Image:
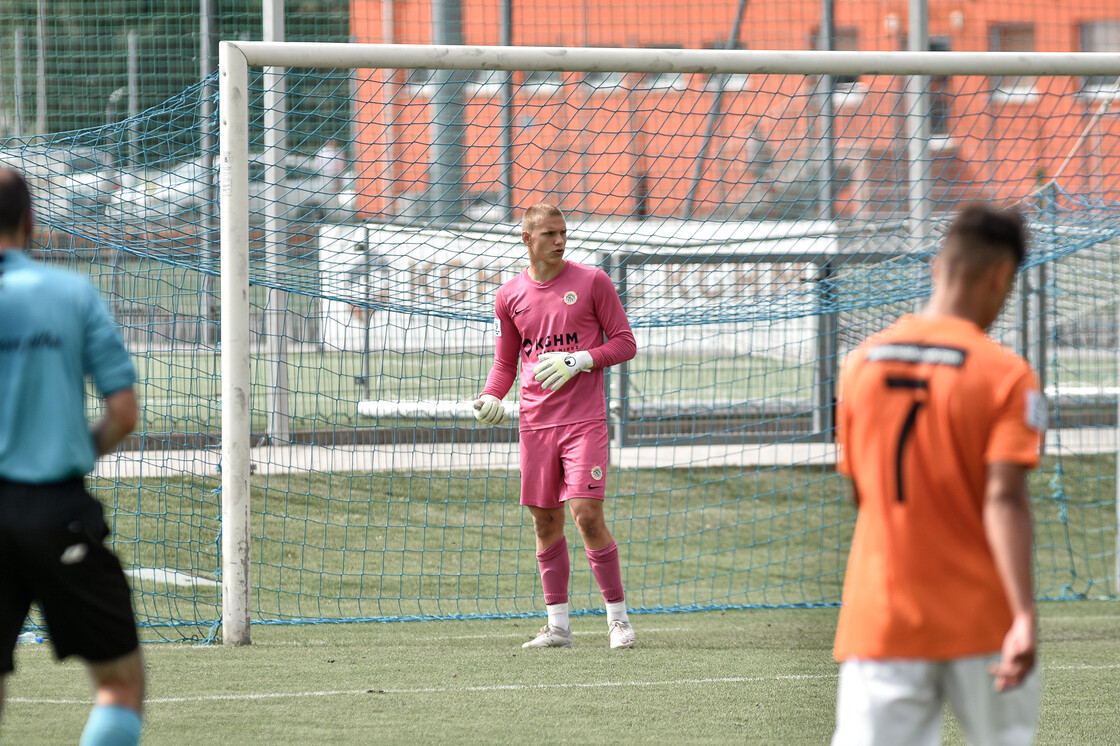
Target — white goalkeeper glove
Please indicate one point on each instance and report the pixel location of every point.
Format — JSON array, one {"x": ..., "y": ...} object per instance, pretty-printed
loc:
[
  {"x": 554, "y": 369},
  {"x": 488, "y": 410}
]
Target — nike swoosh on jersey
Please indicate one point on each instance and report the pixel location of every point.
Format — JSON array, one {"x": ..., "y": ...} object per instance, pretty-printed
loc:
[
  {"x": 594, "y": 486},
  {"x": 519, "y": 312}
]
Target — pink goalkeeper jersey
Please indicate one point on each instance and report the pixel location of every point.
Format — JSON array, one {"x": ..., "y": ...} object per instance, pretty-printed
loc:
[{"x": 573, "y": 311}]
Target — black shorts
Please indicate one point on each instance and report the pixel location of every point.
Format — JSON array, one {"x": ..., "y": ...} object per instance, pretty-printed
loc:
[{"x": 52, "y": 551}]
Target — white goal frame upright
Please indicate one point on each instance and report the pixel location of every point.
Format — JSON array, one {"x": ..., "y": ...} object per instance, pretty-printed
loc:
[{"x": 235, "y": 58}]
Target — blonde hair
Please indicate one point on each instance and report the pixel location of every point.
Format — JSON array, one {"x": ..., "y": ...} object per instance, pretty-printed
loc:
[{"x": 537, "y": 213}]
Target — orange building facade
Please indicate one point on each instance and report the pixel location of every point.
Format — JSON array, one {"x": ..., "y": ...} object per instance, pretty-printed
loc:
[{"x": 633, "y": 145}]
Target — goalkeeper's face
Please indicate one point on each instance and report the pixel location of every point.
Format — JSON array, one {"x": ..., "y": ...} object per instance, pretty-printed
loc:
[{"x": 546, "y": 242}]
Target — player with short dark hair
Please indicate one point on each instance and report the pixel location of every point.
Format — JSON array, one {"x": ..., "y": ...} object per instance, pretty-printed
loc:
[
  {"x": 564, "y": 323},
  {"x": 938, "y": 426},
  {"x": 55, "y": 332}
]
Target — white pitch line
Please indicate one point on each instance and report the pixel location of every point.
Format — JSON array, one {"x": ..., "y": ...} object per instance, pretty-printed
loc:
[
  {"x": 481, "y": 636},
  {"x": 440, "y": 689},
  {"x": 576, "y": 633},
  {"x": 217, "y": 646},
  {"x": 515, "y": 635},
  {"x": 329, "y": 643},
  {"x": 490, "y": 688}
]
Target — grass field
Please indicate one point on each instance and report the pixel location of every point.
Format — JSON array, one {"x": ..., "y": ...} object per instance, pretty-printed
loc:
[
  {"x": 360, "y": 545},
  {"x": 347, "y": 546},
  {"x": 756, "y": 677},
  {"x": 344, "y": 546}
]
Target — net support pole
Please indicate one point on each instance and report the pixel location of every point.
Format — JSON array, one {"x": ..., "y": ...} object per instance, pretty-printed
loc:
[
  {"x": 505, "y": 39},
  {"x": 19, "y": 51},
  {"x": 276, "y": 303},
  {"x": 445, "y": 168},
  {"x": 206, "y": 142},
  {"x": 715, "y": 113},
  {"x": 388, "y": 109},
  {"x": 1023, "y": 318},
  {"x": 917, "y": 128},
  {"x": 619, "y": 374},
  {"x": 826, "y": 370},
  {"x": 133, "y": 91},
  {"x": 1041, "y": 328},
  {"x": 41, "y": 69},
  {"x": 233, "y": 193},
  {"x": 505, "y": 200}
]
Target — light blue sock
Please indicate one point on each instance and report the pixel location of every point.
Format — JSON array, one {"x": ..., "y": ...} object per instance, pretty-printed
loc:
[{"x": 110, "y": 725}]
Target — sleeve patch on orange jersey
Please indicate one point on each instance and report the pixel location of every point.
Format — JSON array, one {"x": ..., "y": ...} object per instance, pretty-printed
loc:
[{"x": 1035, "y": 411}]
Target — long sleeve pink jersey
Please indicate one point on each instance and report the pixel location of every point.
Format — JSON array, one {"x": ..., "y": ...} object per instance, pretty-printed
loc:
[{"x": 579, "y": 309}]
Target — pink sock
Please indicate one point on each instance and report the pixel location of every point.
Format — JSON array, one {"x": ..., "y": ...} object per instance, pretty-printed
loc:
[
  {"x": 607, "y": 571},
  {"x": 555, "y": 568}
]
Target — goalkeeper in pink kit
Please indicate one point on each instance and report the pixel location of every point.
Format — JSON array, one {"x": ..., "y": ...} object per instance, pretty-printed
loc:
[{"x": 564, "y": 323}]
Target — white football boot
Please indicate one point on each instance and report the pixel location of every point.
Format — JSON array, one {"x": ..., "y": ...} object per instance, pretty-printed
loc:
[
  {"x": 551, "y": 637},
  {"x": 621, "y": 635}
]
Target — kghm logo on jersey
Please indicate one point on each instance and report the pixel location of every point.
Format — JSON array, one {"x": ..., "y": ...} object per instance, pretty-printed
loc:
[
  {"x": 551, "y": 343},
  {"x": 596, "y": 472},
  {"x": 570, "y": 297}
]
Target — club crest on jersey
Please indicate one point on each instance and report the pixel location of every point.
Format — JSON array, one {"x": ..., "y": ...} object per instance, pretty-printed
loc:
[
  {"x": 596, "y": 472},
  {"x": 570, "y": 297},
  {"x": 497, "y": 327}
]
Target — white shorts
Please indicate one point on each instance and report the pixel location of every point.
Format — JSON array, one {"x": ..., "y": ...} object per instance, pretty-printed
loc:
[{"x": 887, "y": 703}]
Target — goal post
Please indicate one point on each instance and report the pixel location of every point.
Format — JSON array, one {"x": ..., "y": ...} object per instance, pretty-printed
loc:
[
  {"x": 233, "y": 191},
  {"x": 684, "y": 253}
]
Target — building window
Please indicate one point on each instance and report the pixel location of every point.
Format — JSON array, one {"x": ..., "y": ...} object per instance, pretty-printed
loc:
[
  {"x": 487, "y": 82},
  {"x": 1013, "y": 37},
  {"x": 543, "y": 81},
  {"x": 1101, "y": 36},
  {"x": 940, "y": 101},
  {"x": 663, "y": 81},
  {"x": 429, "y": 83},
  {"x": 418, "y": 82},
  {"x": 844, "y": 39},
  {"x": 730, "y": 81},
  {"x": 604, "y": 82}
]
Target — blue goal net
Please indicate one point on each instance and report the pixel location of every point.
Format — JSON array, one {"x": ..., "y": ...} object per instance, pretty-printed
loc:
[{"x": 757, "y": 227}]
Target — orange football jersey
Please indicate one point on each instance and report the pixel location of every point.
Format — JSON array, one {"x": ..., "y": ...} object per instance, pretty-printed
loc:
[{"x": 924, "y": 407}]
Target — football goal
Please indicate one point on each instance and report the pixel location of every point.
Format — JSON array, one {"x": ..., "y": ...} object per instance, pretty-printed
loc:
[
  {"x": 760, "y": 212},
  {"x": 303, "y": 253}
]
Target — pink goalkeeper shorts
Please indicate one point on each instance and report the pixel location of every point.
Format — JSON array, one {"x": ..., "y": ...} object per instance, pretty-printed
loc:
[{"x": 562, "y": 462}]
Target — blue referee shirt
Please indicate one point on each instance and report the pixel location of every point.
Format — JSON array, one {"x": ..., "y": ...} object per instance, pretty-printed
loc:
[{"x": 54, "y": 330}]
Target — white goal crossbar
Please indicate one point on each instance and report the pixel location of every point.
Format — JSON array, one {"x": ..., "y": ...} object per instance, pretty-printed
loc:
[{"x": 236, "y": 57}]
